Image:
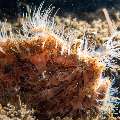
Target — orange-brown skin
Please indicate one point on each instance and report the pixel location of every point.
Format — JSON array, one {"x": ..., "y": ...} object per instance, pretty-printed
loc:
[{"x": 51, "y": 83}]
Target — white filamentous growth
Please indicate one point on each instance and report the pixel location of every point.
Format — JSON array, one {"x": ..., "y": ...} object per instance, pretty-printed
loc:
[
  {"x": 3, "y": 32},
  {"x": 6, "y": 32},
  {"x": 112, "y": 50},
  {"x": 42, "y": 21}
]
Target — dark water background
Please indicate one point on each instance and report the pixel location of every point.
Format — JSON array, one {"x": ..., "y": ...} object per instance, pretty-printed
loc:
[{"x": 11, "y": 9}]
